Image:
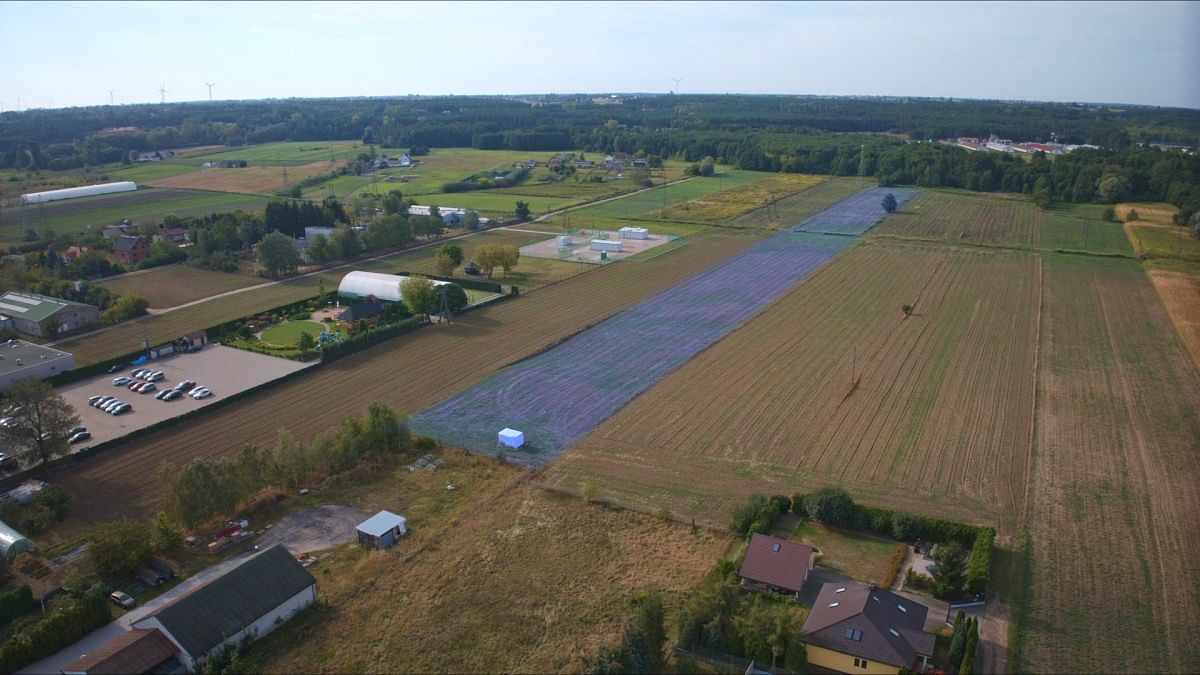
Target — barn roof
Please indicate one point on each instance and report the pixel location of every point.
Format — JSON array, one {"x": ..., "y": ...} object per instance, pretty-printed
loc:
[
  {"x": 135, "y": 651},
  {"x": 776, "y": 562},
  {"x": 869, "y": 622}
]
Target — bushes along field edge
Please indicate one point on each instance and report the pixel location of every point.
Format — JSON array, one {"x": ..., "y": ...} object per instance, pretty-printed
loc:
[
  {"x": 894, "y": 565},
  {"x": 979, "y": 569}
]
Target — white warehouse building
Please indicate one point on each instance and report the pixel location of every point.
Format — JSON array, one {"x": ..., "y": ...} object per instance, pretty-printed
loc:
[
  {"x": 384, "y": 287},
  {"x": 81, "y": 191}
]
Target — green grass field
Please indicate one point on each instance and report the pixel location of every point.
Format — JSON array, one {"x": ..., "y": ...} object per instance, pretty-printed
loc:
[
  {"x": 289, "y": 153},
  {"x": 856, "y": 555},
  {"x": 648, "y": 204},
  {"x": 1164, "y": 241},
  {"x": 496, "y": 205},
  {"x": 1079, "y": 227},
  {"x": 288, "y": 333}
]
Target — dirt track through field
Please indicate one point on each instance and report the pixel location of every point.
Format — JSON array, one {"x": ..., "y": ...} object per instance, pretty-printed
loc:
[{"x": 409, "y": 373}]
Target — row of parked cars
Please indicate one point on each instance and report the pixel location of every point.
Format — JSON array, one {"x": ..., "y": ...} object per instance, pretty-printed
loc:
[
  {"x": 109, "y": 404},
  {"x": 142, "y": 382}
]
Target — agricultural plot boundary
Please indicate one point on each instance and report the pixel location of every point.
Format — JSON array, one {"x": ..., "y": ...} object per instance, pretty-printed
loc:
[
  {"x": 855, "y": 215},
  {"x": 561, "y": 395}
]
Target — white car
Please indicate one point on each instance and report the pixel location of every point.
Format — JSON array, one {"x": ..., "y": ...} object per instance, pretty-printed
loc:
[
  {"x": 121, "y": 381},
  {"x": 155, "y": 376},
  {"x": 103, "y": 401},
  {"x": 201, "y": 393}
]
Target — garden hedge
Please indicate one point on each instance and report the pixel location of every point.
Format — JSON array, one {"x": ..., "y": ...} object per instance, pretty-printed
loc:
[{"x": 979, "y": 570}]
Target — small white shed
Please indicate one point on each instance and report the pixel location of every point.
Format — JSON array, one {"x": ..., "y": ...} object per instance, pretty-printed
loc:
[
  {"x": 634, "y": 233},
  {"x": 382, "y": 529},
  {"x": 511, "y": 437},
  {"x": 606, "y": 245},
  {"x": 564, "y": 240}
]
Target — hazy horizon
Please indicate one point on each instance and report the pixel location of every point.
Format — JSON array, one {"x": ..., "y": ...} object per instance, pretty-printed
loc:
[{"x": 69, "y": 54}]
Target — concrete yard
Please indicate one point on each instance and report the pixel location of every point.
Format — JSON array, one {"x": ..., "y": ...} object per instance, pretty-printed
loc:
[
  {"x": 225, "y": 370},
  {"x": 579, "y": 249},
  {"x": 313, "y": 529}
]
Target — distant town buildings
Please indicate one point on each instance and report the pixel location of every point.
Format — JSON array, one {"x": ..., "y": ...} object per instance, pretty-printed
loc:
[{"x": 994, "y": 143}]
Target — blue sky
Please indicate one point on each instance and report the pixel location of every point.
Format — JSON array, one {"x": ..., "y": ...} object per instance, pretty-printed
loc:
[{"x": 61, "y": 54}]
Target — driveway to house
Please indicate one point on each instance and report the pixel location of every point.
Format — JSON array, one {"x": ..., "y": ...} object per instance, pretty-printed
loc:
[{"x": 312, "y": 529}]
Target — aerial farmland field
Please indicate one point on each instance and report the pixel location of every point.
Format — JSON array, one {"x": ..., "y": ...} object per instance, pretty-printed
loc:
[
  {"x": 176, "y": 284},
  {"x": 773, "y": 407},
  {"x": 249, "y": 180},
  {"x": 1179, "y": 290},
  {"x": 795, "y": 208},
  {"x": 726, "y": 205},
  {"x": 1114, "y": 491},
  {"x": 474, "y": 346}
]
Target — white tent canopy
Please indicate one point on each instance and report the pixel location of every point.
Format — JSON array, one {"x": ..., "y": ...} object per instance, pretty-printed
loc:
[
  {"x": 511, "y": 437},
  {"x": 383, "y": 286},
  {"x": 81, "y": 191}
]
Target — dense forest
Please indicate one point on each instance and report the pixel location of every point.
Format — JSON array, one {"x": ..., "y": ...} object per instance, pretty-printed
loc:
[{"x": 886, "y": 137}]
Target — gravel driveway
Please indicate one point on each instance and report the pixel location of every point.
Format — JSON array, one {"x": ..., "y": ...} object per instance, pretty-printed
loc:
[{"x": 313, "y": 529}]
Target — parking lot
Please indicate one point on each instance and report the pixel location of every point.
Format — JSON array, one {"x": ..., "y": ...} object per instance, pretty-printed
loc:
[{"x": 224, "y": 370}]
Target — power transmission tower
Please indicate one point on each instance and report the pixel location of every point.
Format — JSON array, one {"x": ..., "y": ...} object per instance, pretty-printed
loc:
[{"x": 862, "y": 164}]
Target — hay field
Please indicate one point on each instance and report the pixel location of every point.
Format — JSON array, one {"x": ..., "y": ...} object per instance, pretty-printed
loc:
[
  {"x": 1163, "y": 241},
  {"x": 248, "y": 180},
  {"x": 291, "y": 153},
  {"x": 1180, "y": 294},
  {"x": 1115, "y": 479},
  {"x": 726, "y": 205},
  {"x": 939, "y": 422},
  {"x": 126, "y": 336},
  {"x": 791, "y": 210},
  {"x": 409, "y": 373},
  {"x": 497, "y": 576},
  {"x": 1154, "y": 212},
  {"x": 177, "y": 284}
]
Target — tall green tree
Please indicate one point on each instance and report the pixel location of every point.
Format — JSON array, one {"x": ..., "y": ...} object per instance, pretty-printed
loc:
[
  {"x": 1041, "y": 193},
  {"x": 889, "y": 203},
  {"x": 345, "y": 243},
  {"x": 454, "y": 251},
  {"x": 522, "y": 211},
  {"x": 278, "y": 255},
  {"x": 319, "y": 250},
  {"x": 119, "y": 547},
  {"x": 951, "y": 571},
  {"x": 40, "y": 422},
  {"x": 420, "y": 296}
]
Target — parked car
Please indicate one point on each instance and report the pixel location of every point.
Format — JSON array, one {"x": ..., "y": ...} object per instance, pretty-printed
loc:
[
  {"x": 173, "y": 394},
  {"x": 122, "y": 599},
  {"x": 76, "y": 430},
  {"x": 163, "y": 394},
  {"x": 161, "y": 567},
  {"x": 203, "y": 393},
  {"x": 103, "y": 401},
  {"x": 186, "y": 384},
  {"x": 156, "y": 376},
  {"x": 146, "y": 388},
  {"x": 121, "y": 381},
  {"x": 137, "y": 374},
  {"x": 195, "y": 389},
  {"x": 108, "y": 407},
  {"x": 148, "y": 576},
  {"x": 122, "y": 409},
  {"x": 92, "y": 399},
  {"x": 8, "y": 462},
  {"x": 81, "y": 436},
  {"x": 114, "y": 369},
  {"x": 7, "y": 422}
]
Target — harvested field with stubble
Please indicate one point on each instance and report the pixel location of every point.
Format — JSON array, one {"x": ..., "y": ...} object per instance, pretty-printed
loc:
[
  {"x": 938, "y": 424},
  {"x": 726, "y": 205},
  {"x": 178, "y": 284},
  {"x": 497, "y": 576},
  {"x": 247, "y": 180},
  {"x": 1115, "y": 480},
  {"x": 475, "y": 345},
  {"x": 1180, "y": 294},
  {"x": 794, "y": 209}
]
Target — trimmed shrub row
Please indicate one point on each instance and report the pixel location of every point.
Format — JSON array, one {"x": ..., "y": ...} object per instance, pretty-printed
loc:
[
  {"x": 370, "y": 338},
  {"x": 473, "y": 284},
  {"x": 833, "y": 506},
  {"x": 60, "y": 629},
  {"x": 979, "y": 570}
]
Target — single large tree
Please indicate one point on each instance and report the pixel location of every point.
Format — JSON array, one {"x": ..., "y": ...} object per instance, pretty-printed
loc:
[
  {"x": 889, "y": 203},
  {"x": 523, "y": 210},
  {"x": 454, "y": 251},
  {"x": 278, "y": 255},
  {"x": 951, "y": 571},
  {"x": 420, "y": 295},
  {"x": 41, "y": 420},
  {"x": 319, "y": 250}
]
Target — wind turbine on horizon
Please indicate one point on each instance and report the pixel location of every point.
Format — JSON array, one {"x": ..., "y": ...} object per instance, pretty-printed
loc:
[
  {"x": 210, "y": 86},
  {"x": 676, "y": 80},
  {"x": 162, "y": 93},
  {"x": 110, "y": 95}
]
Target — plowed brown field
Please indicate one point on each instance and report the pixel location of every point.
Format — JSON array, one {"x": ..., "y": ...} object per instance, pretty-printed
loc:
[
  {"x": 409, "y": 373},
  {"x": 1115, "y": 480},
  {"x": 939, "y": 422},
  {"x": 249, "y": 180}
]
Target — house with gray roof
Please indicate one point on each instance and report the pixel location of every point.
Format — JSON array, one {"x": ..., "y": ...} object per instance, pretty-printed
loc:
[
  {"x": 45, "y": 316},
  {"x": 859, "y": 628},
  {"x": 247, "y": 602}
]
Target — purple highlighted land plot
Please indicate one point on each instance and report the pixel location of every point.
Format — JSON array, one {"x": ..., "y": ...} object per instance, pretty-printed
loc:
[
  {"x": 854, "y": 215},
  {"x": 562, "y": 394}
]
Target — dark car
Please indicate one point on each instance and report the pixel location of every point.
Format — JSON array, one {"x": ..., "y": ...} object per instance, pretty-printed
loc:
[
  {"x": 114, "y": 369},
  {"x": 162, "y": 568},
  {"x": 8, "y": 462},
  {"x": 148, "y": 576}
]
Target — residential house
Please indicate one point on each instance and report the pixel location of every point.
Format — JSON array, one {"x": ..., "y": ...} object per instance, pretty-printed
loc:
[
  {"x": 370, "y": 310},
  {"x": 114, "y": 231},
  {"x": 130, "y": 250},
  {"x": 583, "y": 163},
  {"x": 859, "y": 628},
  {"x": 174, "y": 235},
  {"x": 776, "y": 564},
  {"x": 133, "y": 652},
  {"x": 246, "y": 602},
  {"x": 73, "y": 252},
  {"x": 382, "y": 530},
  {"x": 45, "y": 316}
]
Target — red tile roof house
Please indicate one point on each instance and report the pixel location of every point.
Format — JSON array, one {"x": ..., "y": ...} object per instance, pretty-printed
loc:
[
  {"x": 856, "y": 628},
  {"x": 776, "y": 564}
]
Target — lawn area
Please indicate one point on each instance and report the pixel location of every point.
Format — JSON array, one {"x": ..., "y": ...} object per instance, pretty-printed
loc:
[
  {"x": 856, "y": 555},
  {"x": 289, "y": 153},
  {"x": 178, "y": 284},
  {"x": 289, "y": 332}
]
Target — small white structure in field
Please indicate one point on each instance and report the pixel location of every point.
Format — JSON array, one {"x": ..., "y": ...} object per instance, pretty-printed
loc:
[
  {"x": 633, "y": 233},
  {"x": 72, "y": 193},
  {"x": 564, "y": 240},
  {"x": 606, "y": 245},
  {"x": 382, "y": 529},
  {"x": 511, "y": 437}
]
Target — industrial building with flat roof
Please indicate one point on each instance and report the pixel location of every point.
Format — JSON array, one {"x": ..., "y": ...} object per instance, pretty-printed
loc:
[
  {"x": 20, "y": 359},
  {"x": 45, "y": 316}
]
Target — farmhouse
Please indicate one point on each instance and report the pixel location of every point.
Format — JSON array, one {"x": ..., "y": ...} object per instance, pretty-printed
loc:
[
  {"x": 385, "y": 287},
  {"x": 20, "y": 360},
  {"x": 135, "y": 652},
  {"x": 856, "y": 628},
  {"x": 43, "y": 316},
  {"x": 249, "y": 600},
  {"x": 776, "y": 564},
  {"x": 175, "y": 235},
  {"x": 382, "y": 530},
  {"x": 130, "y": 250}
]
